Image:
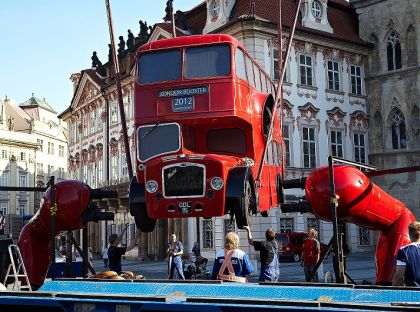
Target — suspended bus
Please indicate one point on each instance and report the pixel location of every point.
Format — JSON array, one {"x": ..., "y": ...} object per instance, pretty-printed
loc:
[{"x": 202, "y": 115}]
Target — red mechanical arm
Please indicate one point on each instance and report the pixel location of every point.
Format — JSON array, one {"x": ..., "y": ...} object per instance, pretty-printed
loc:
[
  {"x": 365, "y": 204},
  {"x": 72, "y": 199}
]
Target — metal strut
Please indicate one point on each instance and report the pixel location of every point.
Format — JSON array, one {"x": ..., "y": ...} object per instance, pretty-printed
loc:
[
  {"x": 279, "y": 93},
  {"x": 119, "y": 92}
]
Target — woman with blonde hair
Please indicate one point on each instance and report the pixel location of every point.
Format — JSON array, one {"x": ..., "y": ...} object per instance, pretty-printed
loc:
[{"x": 232, "y": 264}]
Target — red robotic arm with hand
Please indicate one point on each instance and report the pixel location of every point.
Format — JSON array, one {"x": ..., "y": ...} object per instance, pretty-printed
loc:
[{"x": 365, "y": 204}]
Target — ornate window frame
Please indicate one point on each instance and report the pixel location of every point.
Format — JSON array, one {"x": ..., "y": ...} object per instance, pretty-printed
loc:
[
  {"x": 308, "y": 119},
  {"x": 289, "y": 121},
  {"x": 335, "y": 122},
  {"x": 393, "y": 51},
  {"x": 357, "y": 77},
  {"x": 398, "y": 126}
]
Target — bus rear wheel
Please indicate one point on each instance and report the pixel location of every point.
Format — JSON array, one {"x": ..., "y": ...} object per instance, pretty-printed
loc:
[
  {"x": 243, "y": 209},
  {"x": 143, "y": 222}
]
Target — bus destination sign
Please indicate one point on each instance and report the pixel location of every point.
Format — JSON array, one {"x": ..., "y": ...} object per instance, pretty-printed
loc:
[
  {"x": 183, "y": 99},
  {"x": 183, "y": 92}
]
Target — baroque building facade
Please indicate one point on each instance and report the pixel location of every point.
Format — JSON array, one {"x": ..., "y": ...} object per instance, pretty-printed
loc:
[
  {"x": 33, "y": 145},
  {"x": 393, "y": 85},
  {"x": 325, "y": 111}
]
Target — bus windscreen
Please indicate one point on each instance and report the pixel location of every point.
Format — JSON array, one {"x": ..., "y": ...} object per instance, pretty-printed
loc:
[
  {"x": 158, "y": 139},
  {"x": 207, "y": 61},
  {"x": 160, "y": 66}
]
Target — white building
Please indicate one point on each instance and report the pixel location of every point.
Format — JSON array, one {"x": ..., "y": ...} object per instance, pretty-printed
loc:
[{"x": 33, "y": 147}]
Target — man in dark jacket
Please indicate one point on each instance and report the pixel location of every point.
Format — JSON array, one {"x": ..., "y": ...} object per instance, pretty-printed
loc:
[
  {"x": 268, "y": 254},
  {"x": 115, "y": 253}
]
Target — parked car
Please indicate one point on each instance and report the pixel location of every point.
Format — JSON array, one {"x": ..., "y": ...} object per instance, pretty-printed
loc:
[{"x": 291, "y": 245}]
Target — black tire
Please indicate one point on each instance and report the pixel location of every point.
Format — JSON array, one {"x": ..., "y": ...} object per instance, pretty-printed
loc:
[
  {"x": 143, "y": 222},
  {"x": 243, "y": 208}
]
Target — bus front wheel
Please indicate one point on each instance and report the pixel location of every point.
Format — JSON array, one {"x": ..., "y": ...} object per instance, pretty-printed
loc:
[
  {"x": 143, "y": 222},
  {"x": 243, "y": 208}
]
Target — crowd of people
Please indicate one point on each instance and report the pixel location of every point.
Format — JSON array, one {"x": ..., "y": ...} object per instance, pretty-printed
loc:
[{"x": 233, "y": 264}]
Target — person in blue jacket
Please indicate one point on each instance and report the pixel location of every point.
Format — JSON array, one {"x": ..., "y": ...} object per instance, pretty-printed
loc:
[
  {"x": 231, "y": 263},
  {"x": 407, "y": 270}
]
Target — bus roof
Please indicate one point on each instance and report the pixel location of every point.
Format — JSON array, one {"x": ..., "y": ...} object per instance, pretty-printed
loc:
[{"x": 189, "y": 41}]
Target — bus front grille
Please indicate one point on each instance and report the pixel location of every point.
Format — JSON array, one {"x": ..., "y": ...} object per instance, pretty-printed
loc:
[{"x": 184, "y": 180}]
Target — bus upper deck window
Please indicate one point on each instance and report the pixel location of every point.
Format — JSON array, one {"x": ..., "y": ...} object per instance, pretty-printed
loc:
[
  {"x": 207, "y": 61},
  {"x": 160, "y": 66}
]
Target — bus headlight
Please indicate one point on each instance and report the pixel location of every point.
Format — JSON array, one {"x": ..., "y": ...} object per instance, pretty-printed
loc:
[
  {"x": 216, "y": 183},
  {"x": 151, "y": 186}
]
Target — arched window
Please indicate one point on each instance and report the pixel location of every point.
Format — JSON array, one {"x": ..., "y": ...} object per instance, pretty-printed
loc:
[
  {"x": 411, "y": 47},
  {"x": 398, "y": 130},
  {"x": 393, "y": 51}
]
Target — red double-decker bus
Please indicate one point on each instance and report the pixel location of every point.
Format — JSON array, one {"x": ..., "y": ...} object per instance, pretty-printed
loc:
[{"x": 202, "y": 115}]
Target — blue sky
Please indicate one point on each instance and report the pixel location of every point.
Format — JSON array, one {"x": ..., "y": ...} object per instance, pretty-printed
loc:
[{"x": 44, "y": 41}]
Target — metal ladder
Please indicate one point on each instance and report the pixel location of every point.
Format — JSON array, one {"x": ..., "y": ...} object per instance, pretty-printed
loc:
[{"x": 16, "y": 270}]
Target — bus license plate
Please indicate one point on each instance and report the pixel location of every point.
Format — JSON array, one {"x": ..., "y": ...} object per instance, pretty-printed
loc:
[
  {"x": 185, "y": 207},
  {"x": 182, "y": 104}
]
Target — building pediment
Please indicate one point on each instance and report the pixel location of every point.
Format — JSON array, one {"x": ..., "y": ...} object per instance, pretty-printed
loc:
[
  {"x": 87, "y": 90},
  {"x": 164, "y": 31},
  {"x": 359, "y": 121},
  {"x": 159, "y": 33}
]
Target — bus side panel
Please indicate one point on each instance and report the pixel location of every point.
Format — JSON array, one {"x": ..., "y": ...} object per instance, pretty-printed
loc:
[{"x": 222, "y": 96}]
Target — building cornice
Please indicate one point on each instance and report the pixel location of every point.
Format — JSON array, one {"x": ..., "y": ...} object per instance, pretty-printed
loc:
[
  {"x": 395, "y": 152},
  {"x": 392, "y": 74},
  {"x": 16, "y": 143},
  {"x": 358, "y": 4},
  {"x": 246, "y": 27}
]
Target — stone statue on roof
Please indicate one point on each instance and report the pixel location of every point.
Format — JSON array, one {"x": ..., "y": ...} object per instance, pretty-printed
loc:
[
  {"x": 168, "y": 11},
  {"x": 95, "y": 60},
  {"x": 121, "y": 47},
  {"x": 130, "y": 41},
  {"x": 143, "y": 35},
  {"x": 180, "y": 21},
  {"x": 110, "y": 59},
  {"x": 97, "y": 64}
]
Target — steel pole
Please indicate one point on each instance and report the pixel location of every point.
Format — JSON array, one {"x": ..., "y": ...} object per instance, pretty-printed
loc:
[
  {"x": 338, "y": 247},
  {"x": 119, "y": 91},
  {"x": 53, "y": 211},
  {"x": 279, "y": 91},
  {"x": 173, "y": 19}
]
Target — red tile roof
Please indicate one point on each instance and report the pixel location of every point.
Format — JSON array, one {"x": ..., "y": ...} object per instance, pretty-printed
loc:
[{"x": 342, "y": 18}]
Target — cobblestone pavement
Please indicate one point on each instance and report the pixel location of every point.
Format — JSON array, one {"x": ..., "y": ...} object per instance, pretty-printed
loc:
[{"x": 360, "y": 267}]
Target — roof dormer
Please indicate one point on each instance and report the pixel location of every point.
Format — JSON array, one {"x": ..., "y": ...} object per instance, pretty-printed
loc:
[
  {"x": 314, "y": 15},
  {"x": 218, "y": 12}
]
